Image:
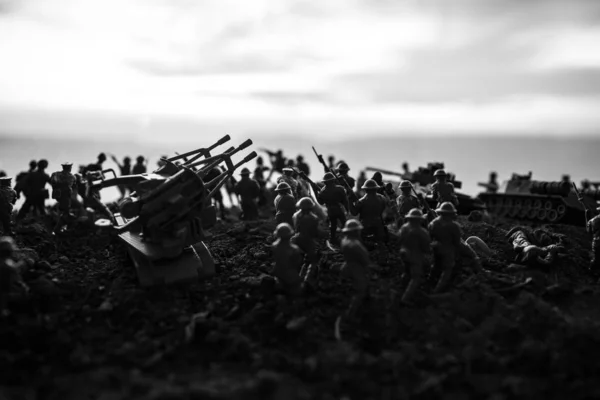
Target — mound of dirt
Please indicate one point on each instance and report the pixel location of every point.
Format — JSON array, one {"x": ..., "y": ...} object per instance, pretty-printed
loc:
[{"x": 89, "y": 331}]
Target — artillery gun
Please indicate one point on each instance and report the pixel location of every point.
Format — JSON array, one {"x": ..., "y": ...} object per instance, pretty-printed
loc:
[
  {"x": 422, "y": 178},
  {"x": 554, "y": 202},
  {"x": 162, "y": 222}
]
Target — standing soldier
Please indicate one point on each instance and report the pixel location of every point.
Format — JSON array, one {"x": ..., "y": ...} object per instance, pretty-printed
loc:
[
  {"x": 259, "y": 176},
  {"x": 285, "y": 204},
  {"x": 97, "y": 166},
  {"x": 140, "y": 166},
  {"x": 446, "y": 236},
  {"x": 370, "y": 210},
  {"x": 8, "y": 198},
  {"x": 362, "y": 178},
  {"x": 334, "y": 198},
  {"x": 20, "y": 185},
  {"x": 331, "y": 162},
  {"x": 356, "y": 263},
  {"x": 414, "y": 245},
  {"x": 406, "y": 201},
  {"x": 34, "y": 187},
  {"x": 442, "y": 190},
  {"x": 342, "y": 170},
  {"x": 91, "y": 197},
  {"x": 289, "y": 178},
  {"x": 125, "y": 169},
  {"x": 248, "y": 190},
  {"x": 306, "y": 224},
  {"x": 302, "y": 166},
  {"x": 288, "y": 259},
  {"x": 593, "y": 228},
  {"x": 63, "y": 185}
]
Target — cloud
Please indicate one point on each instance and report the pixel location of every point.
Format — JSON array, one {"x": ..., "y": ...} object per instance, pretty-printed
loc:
[{"x": 294, "y": 98}]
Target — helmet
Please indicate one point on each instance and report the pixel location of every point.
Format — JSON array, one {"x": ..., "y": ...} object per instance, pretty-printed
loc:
[
  {"x": 446, "y": 208},
  {"x": 370, "y": 184},
  {"x": 245, "y": 171},
  {"x": 440, "y": 172},
  {"x": 352, "y": 225},
  {"x": 43, "y": 163},
  {"x": 67, "y": 164},
  {"x": 287, "y": 170},
  {"x": 140, "y": 159},
  {"x": 5, "y": 181},
  {"x": 405, "y": 185},
  {"x": 282, "y": 186},
  {"x": 305, "y": 203},
  {"x": 284, "y": 231},
  {"x": 127, "y": 160},
  {"x": 7, "y": 245},
  {"x": 415, "y": 213},
  {"x": 32, "y": 164},
  {"x": 328, "y": 177},
  {"x": 300, "y": 158},
  {"x": 343, "y": 167},
  {"x": 101, "y": 156}
]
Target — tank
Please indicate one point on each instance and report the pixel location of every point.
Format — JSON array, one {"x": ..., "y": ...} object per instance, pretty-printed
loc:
[
  {"x": 422, "y": 178},
  {"x": 162, "y": 222},
  {"x": 541, "y": 201}
]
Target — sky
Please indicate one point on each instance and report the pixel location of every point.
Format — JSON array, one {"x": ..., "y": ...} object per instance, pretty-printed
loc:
[{"x": 335, "y": 68}]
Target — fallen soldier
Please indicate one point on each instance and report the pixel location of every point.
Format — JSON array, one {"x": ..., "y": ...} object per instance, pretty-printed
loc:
[{"x": 535, "y": 248}]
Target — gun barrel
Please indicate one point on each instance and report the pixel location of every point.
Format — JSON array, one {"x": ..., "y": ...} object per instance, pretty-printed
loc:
[
  {"x": 200, "y": 150},
  {"x": 220, "y": 157},
  {"x": 385, "y": 171}
]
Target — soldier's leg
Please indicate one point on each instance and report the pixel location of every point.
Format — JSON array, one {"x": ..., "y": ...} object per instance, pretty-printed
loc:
[
  {"x": 6, "y": 225},
  {"x": 359, "y": 282},
  {"x": 24, "y": 209},
  {"x": 40, "y": 205},
  {"x": 416, "y": 272},
  {"x": 447, "y": 268},
  {"x": 333, "y": 221}
]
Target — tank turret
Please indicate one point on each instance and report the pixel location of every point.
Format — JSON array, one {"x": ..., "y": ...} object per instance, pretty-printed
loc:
[{"x": 523, "y": 198}]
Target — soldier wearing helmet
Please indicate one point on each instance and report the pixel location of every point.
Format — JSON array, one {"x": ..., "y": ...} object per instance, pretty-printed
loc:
[
  {"x": 140, "y": 166},
  {"x": 285, "y": 204},
  {"x": 64, "y": 185},
  {"x": 378, "y": 178},
  {"x": 446, "y": 242},
  {"x": 334, "y": 198},
  {"x": 288, "y": 177},
  {"x": 356, "y": 263},
  {"x": 10, "y": 272},
  {"x": 288, "y": 259},
  {"x": 306, "y": 224},
  {"x": 442, "y": 190},
  {"x": 8, "y": 198},
  {"x": 342, "y": 170},
  {"x": 414, "y": 245},
  {"x": 248, "y": 190},
  {"x": 406, "y": 201},
  {"x": 370, "y": 210},
  {"x": 125, "y": 169}
]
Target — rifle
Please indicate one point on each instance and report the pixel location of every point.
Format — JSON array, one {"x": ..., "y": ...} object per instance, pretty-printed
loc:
[
  {"x": 342, "y": 182},
  {"x": 424, "y": 204},
  {"x": 588, "y": 213}
]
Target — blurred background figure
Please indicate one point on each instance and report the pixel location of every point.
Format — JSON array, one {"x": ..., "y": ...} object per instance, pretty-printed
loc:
[
  {"x": 22, "y": 175},
  {"x": 259, "y": 176},
  {"x": 302, "y": 165},
  {"x": 140, "y": 166},
  {"x": 97, "y": 166},
  {"x": 33, "y": 187},
  {"x": 161, "y": 161},
  {"x": 124, "y": 169},
  {"x": 331, "y": 162}
]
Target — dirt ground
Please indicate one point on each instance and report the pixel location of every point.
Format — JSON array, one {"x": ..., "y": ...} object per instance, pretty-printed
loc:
[{"x": 88, "y": 331}]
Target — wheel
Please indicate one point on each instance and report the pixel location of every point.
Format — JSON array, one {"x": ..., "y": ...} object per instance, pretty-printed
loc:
[
  {"x": 548, "y": 205},
  {"x": 542, "y": 214},
  {"x": 537, "y": 203},
  {"x": 532, "y": 213},
  {"x": 561, "y": 209},
  {"x": 552, "y": 216}
]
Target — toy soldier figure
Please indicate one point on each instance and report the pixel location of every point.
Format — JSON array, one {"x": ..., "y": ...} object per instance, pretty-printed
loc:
[
  {"x": 289, "y": 178},
  {"x": 20, "y": 184},
  {"x": 302, "y": 166},
  {"x": 277, "y": 162},
  {"x": 34, "y": 188},
  {"x": 356, "y": 263},
  {"x": 63, "y": 185},
  {"x": 331, "y": 162},
  {"x": 406, "y": 201},
  {"x": 593, "y": 228},
  {"x": 342, "y": 170},
  {"x": 97, "y": 166},
  {"x": 414, "y": 245},
  {"x": 334, "y": 198},
  {"x": 306, "y": 224},
  {"x": 493, "y": 183},
  {"x": 446, "y": 236},
  {"x": 442, "y": 190},
  {"x": 378, "y": 178},
  {"x": 10, "y": 274},
  {"x": 91, "y": 197},
  {"x": 248, "y": 190},
  {"x": 370, "y": 210},
  {"x": 125, "y": 169},
  {"x": 140, "y": 166},
  {"x": 288, "y": 259},
  {"x": 362, "y": 178},
  {"x": 259, "y": 176},
  {"x": 8, "y": 198},
  {"x": 285, "y": 204}
]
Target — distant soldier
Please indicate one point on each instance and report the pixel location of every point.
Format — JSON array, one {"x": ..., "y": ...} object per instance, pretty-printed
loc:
[
  {"x": 124, "y": 169},
  {"x": 362, "y": 178},
  {"x": 306, "y": 224},
  {"x": 447, "y": 243},
  {"x": 331, "y": 163},
  {"x": 285, "y": 204},
  {"x": 414, "y": 245},
  {"x": 8, "y": 198},
  {"x": 302, "y": 165},
  {"x": 288, "y": 259},
  {"x": 370, "y": 210},
  {"x": 259, "y": 176},
  {"x": 2, "y": 173},
  {"x": 20, "y": 180},
  {"x": 91, "y": 197},
  {"x": 378, "y": 178},
  {"x": 34, "y": 188},
  {"x": 492, "y": 186},
  {"x": 97, "y": 166},
  {"x": 140, "y": 166},
  {"x": 342, "y": 170},
  {"x": 218, "y": 195},
  {"x": 356, "y": 265},
  {"x": 442, "y": 190},
  {"x": 161, "y": 161},
  {"x": 277, "y": 162},
  {"x": 10, "y": 273},
  {"x": 334, "y": 198},
  {"x": 63, "y": 184},
  {"x": 406, "y": 201},
  {"x": 289, "y": 178},
  {"x": 248, "y": 190}
]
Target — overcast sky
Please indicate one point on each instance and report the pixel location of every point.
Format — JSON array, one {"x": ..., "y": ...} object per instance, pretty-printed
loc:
[{"x": 333, "y": 66}]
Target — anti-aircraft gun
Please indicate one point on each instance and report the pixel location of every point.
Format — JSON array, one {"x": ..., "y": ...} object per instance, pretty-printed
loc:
[
  {"x": 422, "y": 178},
  {"x": 520, "y": 197},
  {"x": 162, "y": 222}
]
